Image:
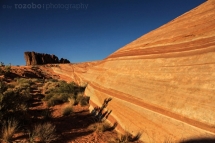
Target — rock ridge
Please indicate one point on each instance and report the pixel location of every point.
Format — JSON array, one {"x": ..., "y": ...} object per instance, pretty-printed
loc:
[{"x": 33, "y": 58}]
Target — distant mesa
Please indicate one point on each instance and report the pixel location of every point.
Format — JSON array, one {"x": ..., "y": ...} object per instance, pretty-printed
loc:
[{"x": 33, "y": 58}]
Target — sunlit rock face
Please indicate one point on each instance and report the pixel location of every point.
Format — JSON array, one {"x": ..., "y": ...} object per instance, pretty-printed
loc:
[{"x": 163, "y": 83}]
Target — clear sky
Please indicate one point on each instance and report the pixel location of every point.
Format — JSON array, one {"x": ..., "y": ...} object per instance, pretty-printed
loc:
[{"x": 80, "y": 30}]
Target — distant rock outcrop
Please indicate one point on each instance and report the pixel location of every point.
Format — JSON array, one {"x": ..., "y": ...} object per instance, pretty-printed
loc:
[{"x": 33, "y": 58}]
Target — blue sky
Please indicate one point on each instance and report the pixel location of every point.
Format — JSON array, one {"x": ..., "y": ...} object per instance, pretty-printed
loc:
[{"x": 80, "y": 30}]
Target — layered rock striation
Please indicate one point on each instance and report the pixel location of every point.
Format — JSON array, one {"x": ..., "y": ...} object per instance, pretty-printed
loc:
[
  {"x": 33, "y": 58},
  {"x": 163, "y": 83}
]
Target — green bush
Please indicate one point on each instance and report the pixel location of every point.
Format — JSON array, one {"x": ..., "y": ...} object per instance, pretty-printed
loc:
[
  {"x": 61, "y": 92},
  {"x": 24, "y": 80},
  {"x": 57, "y": 98},
  {"x": 66, "y": 87},
  {"x": 23, "y": 83}
]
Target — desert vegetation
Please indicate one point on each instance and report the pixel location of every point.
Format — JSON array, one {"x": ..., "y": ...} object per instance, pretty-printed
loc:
[
  {"x": 4, "y": 69},
  {"x": 44, "y": 109},
  {"x": 58, "y": 92},
  {"x": 14, "y": 107}
]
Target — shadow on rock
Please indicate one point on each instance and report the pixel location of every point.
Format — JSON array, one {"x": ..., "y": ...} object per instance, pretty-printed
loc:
[{"x": 200, "y": 140}]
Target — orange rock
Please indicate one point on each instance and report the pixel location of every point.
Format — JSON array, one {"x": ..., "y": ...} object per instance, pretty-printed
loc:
[{"x": 163, "y": 83}]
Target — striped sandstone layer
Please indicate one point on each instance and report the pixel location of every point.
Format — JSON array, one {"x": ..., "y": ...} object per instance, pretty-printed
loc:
[{"x": 163, "y": 83}]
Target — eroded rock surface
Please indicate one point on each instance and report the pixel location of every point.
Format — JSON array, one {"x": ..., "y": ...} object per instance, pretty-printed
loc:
[
  {"x": 33, "y": 58},
  {"x": 163, "y": 83}
]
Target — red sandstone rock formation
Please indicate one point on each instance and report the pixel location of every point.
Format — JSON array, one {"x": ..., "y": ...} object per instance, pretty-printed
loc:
[
  {"x": 33, "y": 58},
  {"x": 163, "y": 83}
]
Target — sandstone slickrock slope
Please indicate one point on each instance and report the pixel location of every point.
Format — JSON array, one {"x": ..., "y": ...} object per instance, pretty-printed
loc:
[
  {"x": 163, "y": 83},
  {"x": 33, "y": 58}
]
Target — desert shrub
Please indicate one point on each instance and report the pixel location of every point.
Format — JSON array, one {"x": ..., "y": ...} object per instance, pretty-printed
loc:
[
  {"x": 9, "y": 128},
  {"x": 47, "y": 114},
  {"x": 11, "y": 85},
  {"x": 23, "y": 83},
  {"x": 84, "y": 100},
  {"x": 34, "y": 86},
  {"x": 40, "y": 80},
  {"x": 67, "y": 110},
  {"x": 20, "y": 80},
  {"x": 13, "y": 104},
  {"x": 64, "y": 97},
  {"x": 109, "y": 127},
  {"x": 96, "y": 127},
  {"x": 123, "y": 138},
  {"x": 33, "y": 80},
  {"x": 69, "y": 88},
  {"x": 105, "y": 126},
  {"x": 8, "y": 103},
  {"x": 8, "y": 69},
  {"x": 71, "y": 101},
  {"x": 128, "y": 137},
  {"x": 49, "y": 87},
  {"x": 3, "y": 86},
  {"x": 1, "y": 71},
  {"x": 99, "y": 113},
  {"x": 81, "y": 99},
  {"x": 23, "y": 80},
  {"x": 61, "y": 91},
  {"x": 52, "y": 101},
  {"x": 57, "y": 98},
  {"x": 24, "y": 86},
  {"x": 2, "y": 64},
  {"x": 48, "y": 96},
  {"x": 25, "y": 94},
  {"x": 66, "y": 87},
  {"x": 45, "y": 132},
  {"x": 102, "y": 126},
  {"x": 136, "y": 137}
]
